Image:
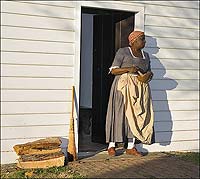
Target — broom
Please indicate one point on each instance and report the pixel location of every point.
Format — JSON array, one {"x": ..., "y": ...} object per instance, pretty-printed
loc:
[{"x": 71, "y": 149}]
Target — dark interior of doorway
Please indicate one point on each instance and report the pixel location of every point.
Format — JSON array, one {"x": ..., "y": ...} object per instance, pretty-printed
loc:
[{"x": 110, "y": 32}]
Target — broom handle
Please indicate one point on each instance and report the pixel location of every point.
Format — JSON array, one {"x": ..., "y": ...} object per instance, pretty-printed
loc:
[
  {"x": 72, "y": 114},
  {"x": 71, "y": 149}
]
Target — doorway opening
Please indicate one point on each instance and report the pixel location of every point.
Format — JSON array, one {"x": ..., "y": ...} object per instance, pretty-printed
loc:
[{"x": 103, "y": 32}]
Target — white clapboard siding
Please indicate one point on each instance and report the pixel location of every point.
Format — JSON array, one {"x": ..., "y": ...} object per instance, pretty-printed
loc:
[
  {"x": 56, "y": 118},
  {"x": 37, "y": 46},
  {"x": 172, "y": 35},
  {"x": 37, "y": 58},
  {"x": 37, "y": 34},
  {"x": 188, "y": 145},
  {"x": 175, "y": 95},
  {"x": 172, "y": 43},
  {"x": 175, "y": 105},
  {"x": 54, "y": 3},
  {"x": 176, "y": 74},
  {"x": 176, "y": 136},
  {"x": 36, "y": 9},
  {"x": 35, "y": 107},
  {"x": 167, "y": 126},
  {"x": 9, "y": 143},
  {"x": 35, "y": 119},
  {"x": 170, "y": 84},
  {"x": 37, "y": 54},
  {"x": 155, "y": 32},
  {"x": 34, "y": 131},
  {"x": 36, "y": 95},
  {"x": 171, "y": 22},
  {"x": 175, "y": 64},
  {"x": 172, "y": 53},
  {"x": 37, "y": 22},
  {"x": 36, "y": 83},
  {"x": 171, "y": 12},
  {"x": 187, "y": 4},
  {"x": 8, "y": 157},
  {"x": 176, "y": 115},
  {"x": 36, "y": 71}
]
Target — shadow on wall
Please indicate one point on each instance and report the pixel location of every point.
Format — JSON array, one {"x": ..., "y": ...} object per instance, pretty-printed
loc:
[
  {"x": 63, "y": 146},
  {"x": 160, "y": 84}
]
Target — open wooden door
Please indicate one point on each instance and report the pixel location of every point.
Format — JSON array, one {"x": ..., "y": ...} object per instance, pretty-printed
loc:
[
  {"x": 103, "y": 43},
  {"x": 111, "y": 29}
]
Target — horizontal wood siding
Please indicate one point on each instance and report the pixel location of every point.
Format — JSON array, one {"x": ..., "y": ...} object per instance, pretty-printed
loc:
[
  {"x": 172, "y": 32},
  {"x": 35, "y": 107},
  {"x": 172, "y": 35},
  {"x": 35, "y": 131},
  {"x": 178, "y": 85},
  {"x": 175, "y": 64},
  {"x": 181, "y": 145},
  {"x": 37, "y": 72},
  {"x": 13, "y": 45},
  {"x": 176, "y": 115},
  {"x": 29, "y": 83},
  {"x": 33, "y": 119},
  {"x": 178, "y": 95},
  {"x": 39, "y": 34},
  {"x": 36, "y": 95},
  {"x": 32, "y": 9},
  {"x": 41, "y": 59},
  {"x": 38, "y": 22},
  {"x": 187, "y": 4},
  {"x": 171, "y": 22},
  {"x": 67, "y": 4},
  {"x": 11, "y": 70}
]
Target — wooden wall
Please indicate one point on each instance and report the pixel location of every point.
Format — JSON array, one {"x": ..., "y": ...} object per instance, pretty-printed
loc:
[
  {"x": 37, "y": 62},
  {"x": 172, "y": 30}
]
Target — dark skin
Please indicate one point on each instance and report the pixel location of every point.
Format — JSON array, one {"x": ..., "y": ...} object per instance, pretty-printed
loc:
[{"x": 136, "y": 48}]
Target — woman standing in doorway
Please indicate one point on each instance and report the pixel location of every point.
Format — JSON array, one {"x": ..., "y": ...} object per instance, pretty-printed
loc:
[{"x": 130, "y": 113}]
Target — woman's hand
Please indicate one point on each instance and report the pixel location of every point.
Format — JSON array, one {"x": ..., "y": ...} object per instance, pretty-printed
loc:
[
  {"x": 151, "y": 75},
  {"x": 146, "y": 77}
]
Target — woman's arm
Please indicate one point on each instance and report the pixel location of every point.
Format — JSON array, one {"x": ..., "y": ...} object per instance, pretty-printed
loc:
[{"x": 119, "y": 71}]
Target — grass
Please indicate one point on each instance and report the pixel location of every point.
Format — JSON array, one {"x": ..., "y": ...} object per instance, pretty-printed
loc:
[
  {"x": 53, "y": 172},
  {"x": 193, "y": 157}
]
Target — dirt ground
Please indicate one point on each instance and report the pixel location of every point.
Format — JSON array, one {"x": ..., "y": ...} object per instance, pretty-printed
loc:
[{"x": 152, "y": 165}]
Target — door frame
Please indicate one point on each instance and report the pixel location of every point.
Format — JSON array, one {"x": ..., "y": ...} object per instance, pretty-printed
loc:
[{"x": 136, "y": 8}]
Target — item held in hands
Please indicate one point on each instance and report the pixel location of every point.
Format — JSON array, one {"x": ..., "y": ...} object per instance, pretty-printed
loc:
[{"x": 144, "y": 78}]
